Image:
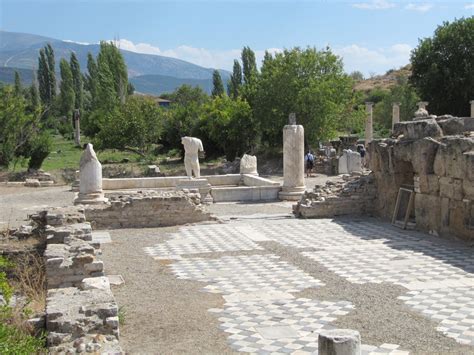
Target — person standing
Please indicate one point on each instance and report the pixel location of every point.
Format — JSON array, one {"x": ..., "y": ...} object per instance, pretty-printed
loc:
[{"x": 309, "y": 163}]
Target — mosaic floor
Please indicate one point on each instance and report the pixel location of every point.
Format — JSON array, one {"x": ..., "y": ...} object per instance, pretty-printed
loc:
[{"x": 262, "y": 315}]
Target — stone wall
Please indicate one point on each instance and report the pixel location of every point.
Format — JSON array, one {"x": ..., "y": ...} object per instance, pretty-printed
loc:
[
  {"x": 440, "y": 167},
  {"x": 81, "y": 312},
  {"x": 148, "y": 209},
  {"x": 354, "y": 196}
]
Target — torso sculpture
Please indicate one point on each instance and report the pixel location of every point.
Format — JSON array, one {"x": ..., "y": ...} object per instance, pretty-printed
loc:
[{"x": 192, "y": 147}]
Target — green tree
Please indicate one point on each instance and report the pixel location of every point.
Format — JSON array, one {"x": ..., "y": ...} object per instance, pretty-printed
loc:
[
  {"x": 77, "y": 81},
  {"x": 311, "y": 84},
  {"x": 17, "y": 86},
  {"x": 20, "y": 131},
  {"x": 91, "y": 82},
  {"x": 66, "y": 96},
  {"x": 136, "y": 125},
  {"x": 443, "y": 68},
  {"x": 110, "y": 62},
  {"x": 235, "y": 82},
  {"x": 218, "y": 86},
  {"x": 249, "y": 65}
]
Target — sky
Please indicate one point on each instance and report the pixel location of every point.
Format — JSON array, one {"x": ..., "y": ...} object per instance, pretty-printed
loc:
[{"x": 371, "y": 36}]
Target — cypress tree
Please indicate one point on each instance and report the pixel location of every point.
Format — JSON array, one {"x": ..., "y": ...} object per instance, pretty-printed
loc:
[
  {"x": 51, "y": 70},
  {"x": 91, "y": 78},
  {"x": 218, "y": 86},
  {"x": 77, "y": 81},
  {"x": 17, "y": 87},
  {"x": 67, "y": 89},
  {"x": 43, "y": 77}
]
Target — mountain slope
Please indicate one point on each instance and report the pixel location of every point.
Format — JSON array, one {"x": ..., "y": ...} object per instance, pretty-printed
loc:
[
  {"x": 20, "y": 50},
  {"x": 159, "y": 84}
]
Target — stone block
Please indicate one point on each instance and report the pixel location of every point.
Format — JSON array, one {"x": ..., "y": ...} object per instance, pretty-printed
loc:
[
  {"x": 450, "y": 159},
  {"x": 451, "y": 188},
  {"x": 417, "y": 129},
  {"x": 248, "y": 164},
  {"x": 452, "y": 126},
  {"x": 339, "y": 342}
]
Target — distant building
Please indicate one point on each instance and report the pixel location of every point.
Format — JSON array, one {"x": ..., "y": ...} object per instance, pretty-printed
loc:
[{"x": 162, "y": 102}]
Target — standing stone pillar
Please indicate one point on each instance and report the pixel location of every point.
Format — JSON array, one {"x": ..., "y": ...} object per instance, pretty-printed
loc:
[
  {"x": 293, "y": 161},
  {"x": 76, "y": 117},
  {"x": 395, "y": 113},
  {"x": 90, "y": 179},
  {"x": 472, "y": 107},
  {"x": 339, "y": 342},
  {"x": 422, "y": 105},
  {"x": 369, "y": 124}
]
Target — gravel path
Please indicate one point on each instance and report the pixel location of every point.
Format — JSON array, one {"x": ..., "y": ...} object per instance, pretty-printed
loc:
[{"x": 16, "y": 202}]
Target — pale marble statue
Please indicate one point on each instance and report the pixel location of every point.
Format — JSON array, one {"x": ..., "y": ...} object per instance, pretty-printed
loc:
[
  {"x": 90, "y": 178},
  {"x": 192, "y": 147}
]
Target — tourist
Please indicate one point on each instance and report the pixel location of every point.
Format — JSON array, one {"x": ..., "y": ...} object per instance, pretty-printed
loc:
[
  {"x": 309, "y": 162},
  {"x": 362, "y": 152}
]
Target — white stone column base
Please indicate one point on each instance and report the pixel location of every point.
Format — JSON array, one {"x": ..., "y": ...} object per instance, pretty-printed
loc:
[
  {"x": 200, "y": 184},
  {"x": 291, "y": 193},
  {"x": 97, "y": 198}
]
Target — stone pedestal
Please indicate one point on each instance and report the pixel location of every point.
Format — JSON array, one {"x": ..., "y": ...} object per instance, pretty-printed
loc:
[
  {"x": 369, "y": 129},
  {"x": 90, "y": 176},
  {"x": 339, "y": 342},
  {"x": 293, "y": 163},
  {"x": 248, "y": 164},
  {"x": 197, "y": 184},
  {"x": 395, "y": 113},
  {"x": 472, "y": 108},
  {"x": 76, "y": 183}
]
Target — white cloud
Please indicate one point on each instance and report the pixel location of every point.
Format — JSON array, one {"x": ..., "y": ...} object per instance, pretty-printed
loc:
[
  {"x": 378, "y": 60},
  {"x": 469, "y": 6},
  {"x": 81, "y": 43},
  {"x": 419, "y": 7},
  {"x": 374, "y": 5}
]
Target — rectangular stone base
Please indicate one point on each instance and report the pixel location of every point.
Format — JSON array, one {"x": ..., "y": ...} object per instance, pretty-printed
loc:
[{"x": 197, "y": 184}]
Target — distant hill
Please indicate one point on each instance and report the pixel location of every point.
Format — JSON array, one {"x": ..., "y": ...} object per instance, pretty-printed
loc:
[
  {"x": 20, "y": 50},
  {"x": 159, "y": 84},
  {"x": 385, "y": 81},
  {"x": 7, "y": 75}
]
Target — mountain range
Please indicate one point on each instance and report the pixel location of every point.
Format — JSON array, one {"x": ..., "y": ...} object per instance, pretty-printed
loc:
[{"x": 150, "y": 74}]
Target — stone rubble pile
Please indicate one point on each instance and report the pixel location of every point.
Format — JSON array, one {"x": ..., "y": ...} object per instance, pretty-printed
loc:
[
  {"x": 148, "y": 209},
  {"x": 81, "y": 312},
  {"x": 353, "y": 196}
]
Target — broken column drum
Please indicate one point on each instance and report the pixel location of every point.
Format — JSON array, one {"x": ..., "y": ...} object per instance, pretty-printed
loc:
[
  {"x": 293, "y": 161},
  {"x": 395, "y": 113}
]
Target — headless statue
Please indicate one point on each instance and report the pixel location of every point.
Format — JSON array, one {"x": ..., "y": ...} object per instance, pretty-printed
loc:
[{"x": 192, "y": 147}]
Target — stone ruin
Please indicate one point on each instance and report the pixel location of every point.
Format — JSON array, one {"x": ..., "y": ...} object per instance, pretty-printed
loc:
[{"x": 431, "y": 156}]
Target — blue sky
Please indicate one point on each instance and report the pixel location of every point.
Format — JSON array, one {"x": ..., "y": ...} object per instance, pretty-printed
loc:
[{"x": 371, "y": 35}]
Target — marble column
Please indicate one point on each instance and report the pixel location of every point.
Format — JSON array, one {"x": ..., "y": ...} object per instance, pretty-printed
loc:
[
  {"x": 339, "y": 342},
  {"x": 293, "y": 161},
  {"x": 77, "y": 127},
  {"x": 90, "y": 179},
  {"x": 472, "y": 107},
  {"x": 369, "y": 129},
  {"x": 395, "y": 113}
]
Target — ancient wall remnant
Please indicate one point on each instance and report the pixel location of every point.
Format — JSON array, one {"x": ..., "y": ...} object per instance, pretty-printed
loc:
[
  {"x": 438, "y": 165},
  {"x": 148, "y": 209},
  {"x": 354, "y": 196}
]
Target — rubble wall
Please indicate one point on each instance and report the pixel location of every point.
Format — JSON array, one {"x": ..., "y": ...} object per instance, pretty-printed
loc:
[
  {"x": 440, "y": 168},
  {"x": 81, "y": 312},
  {"x": 147, "y": 209}
]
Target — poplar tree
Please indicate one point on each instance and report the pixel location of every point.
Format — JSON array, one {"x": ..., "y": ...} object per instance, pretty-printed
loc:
[
  {"x": 51, "y": 70},
  {"x": 46, "y": 75},
  {"x": 67, "y": 89},
  {"x": 235, "y": 80},
  {"x": 92, "y": 78},
  {"x": 218, "y": 86},
  {"x": 77, "y": 81},
  {"x": 249, "y": 65}
]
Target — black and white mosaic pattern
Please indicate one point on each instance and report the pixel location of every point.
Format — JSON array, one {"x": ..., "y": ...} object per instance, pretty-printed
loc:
[
  {"x": 245, "y": 274},
  {"x": 452, "y": 307},
  {"x": 284, "y": 326},
  {"x": 202, "y": 239}
]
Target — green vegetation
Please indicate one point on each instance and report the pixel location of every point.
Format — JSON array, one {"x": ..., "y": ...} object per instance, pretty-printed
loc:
[
  {"x": 14, "y": 335},
  {"x": 443, "y": 68}
]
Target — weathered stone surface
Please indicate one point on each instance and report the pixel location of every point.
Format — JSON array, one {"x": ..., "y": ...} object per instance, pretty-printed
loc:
[
  {"x": 417, "y": 129},
  {"x": 90, "y": 179},
  {"x": 339, "y": 342},
  {"x": 148, "y": 209},
  {"x": 248, "y": 164},
  {"x": 450, "y": 159},
  {"x": 32, "y": 183},
  {"x": 428, "y": 213},
  {"x": 452, "y": 126}
]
